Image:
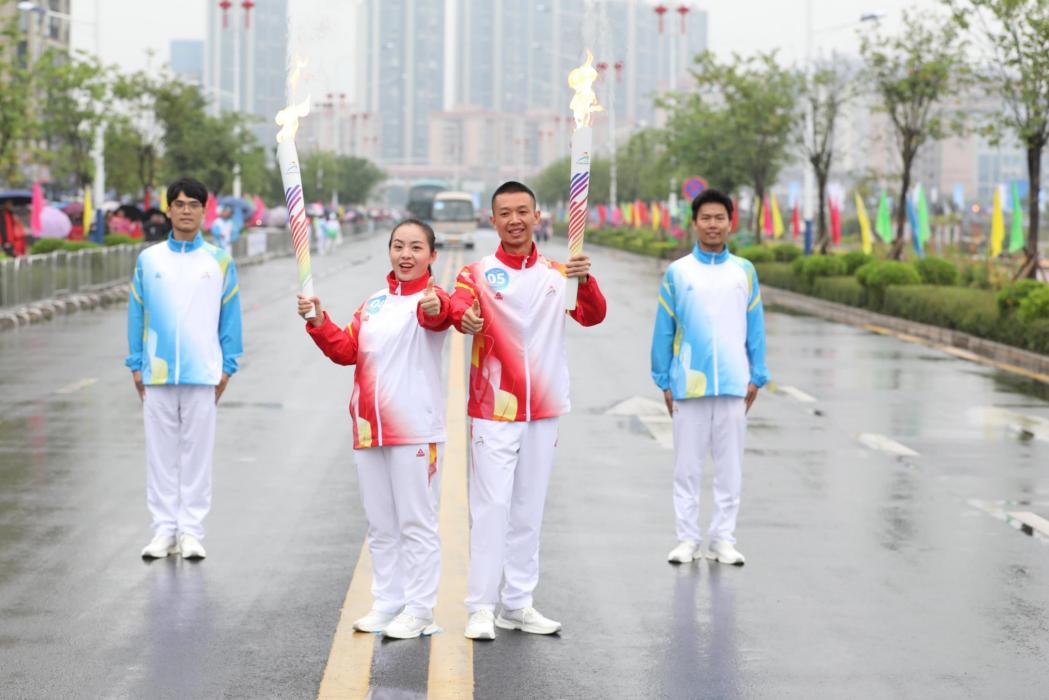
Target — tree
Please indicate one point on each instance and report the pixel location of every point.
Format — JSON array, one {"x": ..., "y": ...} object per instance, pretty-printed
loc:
[
  {"x": 736, "y": 129},
  {"x": 14, "y": 103},
  {"x": 71, "y": 92},
  {"x": 122, "y": 156},
  {"x": 825, "y": 91},
  {"x": 1016, "y": 34},
  {"x": 141, "y": 131},
  {"x": 352, "y": 178},
  {"x": 913, "y": 74}
]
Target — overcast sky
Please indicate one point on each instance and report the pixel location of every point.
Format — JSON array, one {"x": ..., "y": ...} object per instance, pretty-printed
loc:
[{"x": 130, "y": 28}]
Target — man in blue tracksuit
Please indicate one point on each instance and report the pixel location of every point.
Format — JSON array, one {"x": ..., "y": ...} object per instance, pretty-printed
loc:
[
  {"x": 708, "y": 357},
  {"x": 184, "y": 337}
]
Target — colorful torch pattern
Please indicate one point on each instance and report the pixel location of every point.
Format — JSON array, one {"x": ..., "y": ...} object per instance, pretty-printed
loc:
[
  {"x": 584, "y": 103},
  {"x": 288, "y": 160}
]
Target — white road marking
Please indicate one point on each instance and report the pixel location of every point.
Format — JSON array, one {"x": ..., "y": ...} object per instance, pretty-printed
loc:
[
  {"x": 886, "y": 444},
  {"x": 77, "y": 386},
  {"x": 795, "y": 393},
  {"x": 652, "y": 414},
  {"x": 1024, "y": 521},
  {"x": 1017, "y": 423}
]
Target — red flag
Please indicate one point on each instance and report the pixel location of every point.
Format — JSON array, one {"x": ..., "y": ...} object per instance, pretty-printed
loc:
[
  {"x": 795, "y": 222},
  {"x": 766, "y": 211},
  {"x": 145, "y": 199},
  {"x": 665, "y": 217},
  {"x": 835, "y": 223},
  {"x": 602, "y": 214},
  {"x": 36, "y": 212},
  {"x": 211, "y": 211},
  {"x": 735, "y": 215},
  {"x": 260, "y": 211}
]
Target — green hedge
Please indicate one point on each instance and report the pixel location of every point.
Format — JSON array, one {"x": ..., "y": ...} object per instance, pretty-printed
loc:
[
  {"x": 49, "y": 245},
  {"x": 969, "y": 310},
  {"x": 1035, "y": 307},
  {"x": 933, "y": 270},
  {"x": 780, "y": 275},
  {"x": 757, "y": 254},
  {"x": 843, "y": 290},
  {"x": 118, "y": 239}
]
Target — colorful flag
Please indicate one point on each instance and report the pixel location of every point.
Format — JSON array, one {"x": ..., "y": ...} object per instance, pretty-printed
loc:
[
  {"x": 777, "y": 219},
  {"x": 883, "y": 224},
  {"x": 657, "y": 216},
  {"x": 1016, "y": 229},
  {"x": 164, "y": 201},
  {"x": 795, "y": 222},
  {"x": 997, "y": 225},
  {"x": 912, "y": 216},
  {"x": 865, "y": 225},
  {"x": 835, "y": 222},
  {"x": 211, "y": 211},
  {"x": 735, "y": 215},
  {"x": 766, "y": 215},
  {"x": 36, "y": 211},
  {"x": 89, "y": 212},
  {"x": 923, "y": 217},
  {"x": 628, "y": 214},
  {"x": 666, "y": 217}
]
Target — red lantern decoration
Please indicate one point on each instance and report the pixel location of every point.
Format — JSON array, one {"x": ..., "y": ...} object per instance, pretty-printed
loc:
[
  {"x": 225, "y": 5},
  {"x": 661, "y": 10},
  {"x": 247, "y": 5},
  {"x": 683, "y": 10}
]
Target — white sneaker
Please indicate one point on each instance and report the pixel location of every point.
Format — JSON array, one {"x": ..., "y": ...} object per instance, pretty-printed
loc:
[
  {"x": 685, "y": 552},
  {"x": 725, "y": 553},
  {"x": 190, "y": 547},
  {"x": 160, "y": 546},
  {"x": 407, "y": 626},
  {"x": 481, "y": 625},
  {"x": 527, "y": 620},
  {"x": 374, "y": 621}
]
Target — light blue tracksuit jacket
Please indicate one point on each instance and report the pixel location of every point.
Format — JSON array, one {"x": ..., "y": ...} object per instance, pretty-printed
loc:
[{"x": 709, "y": 338}]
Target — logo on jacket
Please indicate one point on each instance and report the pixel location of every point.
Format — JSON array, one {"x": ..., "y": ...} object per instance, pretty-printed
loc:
[
  {"x": 375, "y": 304},
  {"x": 420, "y": 453},
  {"x": 550, "y": 290},
  {"x": 497, "y": 279}
]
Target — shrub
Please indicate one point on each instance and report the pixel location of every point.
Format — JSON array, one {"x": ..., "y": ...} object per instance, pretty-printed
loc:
[
  {"x": 1035, "y": 307},
  {"x": 855, "y": 259},
  {"x": 821, "y": 266},
  {"x": 46, "y": 245},
  {"x": 779, "y": 275},
  {"x": 938, "y": 271},
  {"x": 1036, "y": 336},
  {"x": 969, "y": 310},
  {"x": 786, "y": 252},
  {"x": 118, "y": 239},
  {"x": 879, "y": 275},
  {"x": 1011, "y": 295},
  {"x": 756, "y": 254},
  {"x": 798, "y": 266},
  {"x": 984, "y": 276},
  {"x": 78, "y": 245},
  {"x": 733, "y": 246},
  {"x": 843, "y": 289}
]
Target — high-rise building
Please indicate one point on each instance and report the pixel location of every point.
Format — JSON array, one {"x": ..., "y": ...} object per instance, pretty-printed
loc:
[
  {"x": 245, "y": 61},
  {"x": 187, "y": 59},
  {"x": 404, "y": 58},
  {"x": 42, "y": 25}
]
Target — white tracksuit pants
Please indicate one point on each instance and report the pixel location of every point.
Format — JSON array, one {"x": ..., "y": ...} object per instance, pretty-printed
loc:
[
  {"x": 400, "y": 490},
  {"x": 180, "y": 443},
  {"x": 511, "y": 463},
  {"x": 715, "y": 425}
]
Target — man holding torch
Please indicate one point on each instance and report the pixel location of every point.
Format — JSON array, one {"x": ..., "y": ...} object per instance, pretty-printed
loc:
[{"x": 513, "y": 303}]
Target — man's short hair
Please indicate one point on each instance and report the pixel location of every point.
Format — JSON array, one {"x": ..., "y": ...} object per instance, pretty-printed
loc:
[
  {"x": 511, "y": 187},
  {"x": 194, "y": 189},
  {"x": 709, "y": 197}
]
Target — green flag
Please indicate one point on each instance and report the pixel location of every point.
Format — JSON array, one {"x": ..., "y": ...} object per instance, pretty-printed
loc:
[
  {"x": 1016, "y": 229},
  {"x": 883, "y": 224},
  {"x": 923, "y": 216}
]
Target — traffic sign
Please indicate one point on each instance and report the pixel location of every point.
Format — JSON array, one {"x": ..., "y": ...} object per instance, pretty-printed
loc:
[{"x": 692, "y": 187}]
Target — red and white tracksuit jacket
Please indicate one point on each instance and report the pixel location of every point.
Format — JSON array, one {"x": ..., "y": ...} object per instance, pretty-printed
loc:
[
  {"x": 518, "y": 368},
  {"x": 398, "y": 397}
]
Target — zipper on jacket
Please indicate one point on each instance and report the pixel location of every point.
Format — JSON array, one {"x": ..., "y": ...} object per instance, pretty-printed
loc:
[
  {"x": 714, "y": 332},
  {"x": 527, "y": 367}
]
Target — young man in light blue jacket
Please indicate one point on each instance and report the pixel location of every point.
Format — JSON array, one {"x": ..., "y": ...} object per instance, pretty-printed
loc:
[
  {"x": 184, "y": 335},
  {"x": 708, "y": 357}
]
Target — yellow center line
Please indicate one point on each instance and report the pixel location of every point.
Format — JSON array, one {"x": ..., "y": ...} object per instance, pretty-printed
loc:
[
  {"x": 348, "y": 671},
  {"x": 451, "y": 654}
]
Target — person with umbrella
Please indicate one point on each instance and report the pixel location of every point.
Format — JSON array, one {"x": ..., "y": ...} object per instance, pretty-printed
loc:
[{"x": 12, "y": 231}]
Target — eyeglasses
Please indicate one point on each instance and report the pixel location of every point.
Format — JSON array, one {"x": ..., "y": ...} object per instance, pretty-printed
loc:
[{"x": 192, "y": 205}]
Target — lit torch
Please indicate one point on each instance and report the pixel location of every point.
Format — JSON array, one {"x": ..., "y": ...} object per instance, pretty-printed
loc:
[
  {"x": 288, "y": 161},
  {"x": 584, "y": 102}
]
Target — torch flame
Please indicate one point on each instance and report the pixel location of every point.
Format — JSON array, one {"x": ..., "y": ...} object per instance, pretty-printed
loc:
[
  {"x": 288, "y": 118},
  {"x": 584, "y": 102}
]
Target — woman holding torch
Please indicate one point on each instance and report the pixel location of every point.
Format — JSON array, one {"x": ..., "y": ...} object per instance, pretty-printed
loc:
[{"x": 395, "y": 340}]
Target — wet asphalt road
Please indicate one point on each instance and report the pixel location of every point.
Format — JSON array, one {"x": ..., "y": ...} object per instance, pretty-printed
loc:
[{"x": 868, "y": 574}]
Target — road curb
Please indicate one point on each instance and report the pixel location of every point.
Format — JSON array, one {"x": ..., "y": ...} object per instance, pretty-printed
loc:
[
  {"x": 979, "y": 348},
  {"x": 48, "y": 309}
]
